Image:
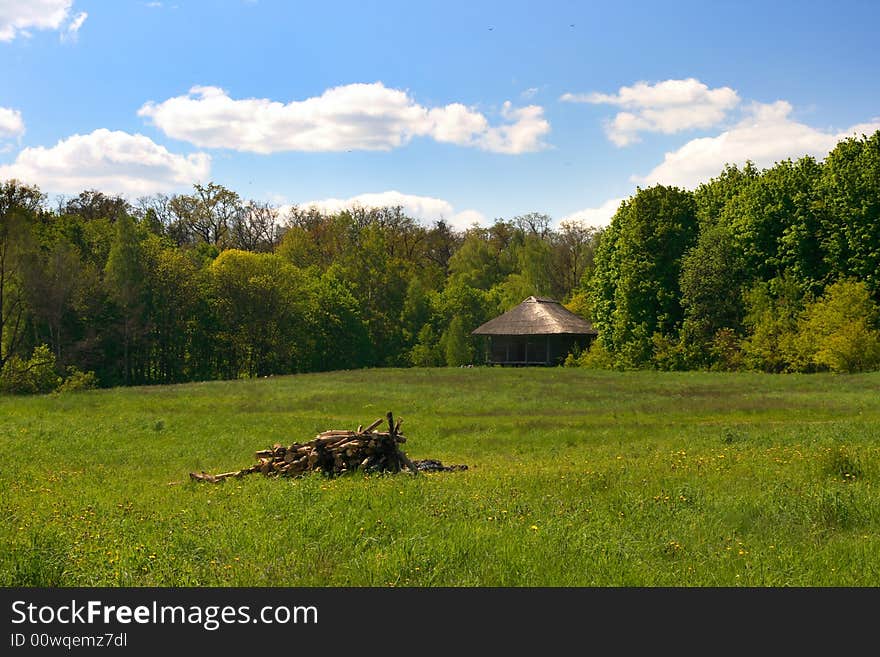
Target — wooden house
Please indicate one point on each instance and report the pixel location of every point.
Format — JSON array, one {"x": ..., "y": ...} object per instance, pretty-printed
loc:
[{"x": 539, "y": 331}]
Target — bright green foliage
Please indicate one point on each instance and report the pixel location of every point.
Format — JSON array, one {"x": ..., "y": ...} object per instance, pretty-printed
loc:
[
  {"x": 260, "y": 311},
  {"x": 535, "y": 266},
  {"x": 36, "y": 375},
  {"x": 378, "y": 280},
  {"x": 712, "y": 197},
  {"x": 476, "y": 263},
  {"x": 77, "y": 381},
  {"x": 461, "y": 309},
  {"x": 427, "y": 351},
  {"x": 179, "y": 311},
  {"x": 850, "y": 188},
  {"x": 579, "y": 304},
  {"x": 124, "y": 272},
  {"x": 18, "y": 205},
  {"x": 456, "y": 344},
  {"x": 839, "y": 332},
  {"x": 636, "y": 283},
  {"x": 775, "y": 222},
  {"x": 773, "y": 309}
]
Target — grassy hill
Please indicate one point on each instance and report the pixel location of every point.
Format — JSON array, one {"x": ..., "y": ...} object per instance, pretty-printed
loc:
[{"x": 577, "y": 478}]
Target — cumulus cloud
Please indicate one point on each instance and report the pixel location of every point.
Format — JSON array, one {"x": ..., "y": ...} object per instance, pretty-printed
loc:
[
  {"x": 668, "y": 107},
  {"x": 350, "y": 117},
  {"x": 17, "y": 18},
  {"x": 599, "y": 216},
  {"x": 113, "y": 161},
  {"x": 424, "y": 208},
  {"x": 765, "y": 136},
  {"x": 11, "y": 123}
]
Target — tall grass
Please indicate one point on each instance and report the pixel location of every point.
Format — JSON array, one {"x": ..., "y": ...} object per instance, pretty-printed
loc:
[{"x": 576, "y": 478}]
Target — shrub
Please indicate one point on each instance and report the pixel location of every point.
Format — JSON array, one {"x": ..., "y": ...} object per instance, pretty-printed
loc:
[
  {"x": 667, "y": 353},
  {"x": 596, "y": 358},
  {"x": 78, "y": 380},
  {"x": 837, "y": 332},
  {"x": 37, "y": 375},
  {"x": 726, "y": 350}
]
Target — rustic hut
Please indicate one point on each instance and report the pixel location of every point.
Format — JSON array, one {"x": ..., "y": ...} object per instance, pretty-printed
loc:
[{"x": 539, "y": 331}]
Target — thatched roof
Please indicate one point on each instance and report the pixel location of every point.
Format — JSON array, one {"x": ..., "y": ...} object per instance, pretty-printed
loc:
[{"x": 537, "y": 316}]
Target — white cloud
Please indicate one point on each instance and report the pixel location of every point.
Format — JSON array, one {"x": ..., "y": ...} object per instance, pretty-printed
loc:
[
  {"x": 668, "y": 107},
  {"x": 425, "y": 208},
  {"x": 71, "y": 32},
  {"x": 11, "y": 123},
  {"x": 17, "y": 17},
  {"x": 112, "y": 161},
  {"x": 599, "y": 217},
  {"x": 765, "y": 136},
  {"x": 529, "y": 93},
  {"x": 350, "y": 117}
]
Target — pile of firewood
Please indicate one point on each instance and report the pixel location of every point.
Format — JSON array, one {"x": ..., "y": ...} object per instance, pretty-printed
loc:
[{"x": 336, "y": 452}]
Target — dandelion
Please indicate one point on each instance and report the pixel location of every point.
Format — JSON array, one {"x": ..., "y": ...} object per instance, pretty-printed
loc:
[{"x": 534, "y": 528}]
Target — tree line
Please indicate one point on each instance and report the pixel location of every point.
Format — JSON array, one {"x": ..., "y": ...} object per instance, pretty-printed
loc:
[
  {"x": 100, "y": 291},
  {"x": 775, "y": 270}
]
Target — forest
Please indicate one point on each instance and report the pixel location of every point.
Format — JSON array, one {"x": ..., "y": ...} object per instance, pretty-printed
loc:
[{"x": 775, "y": 270}]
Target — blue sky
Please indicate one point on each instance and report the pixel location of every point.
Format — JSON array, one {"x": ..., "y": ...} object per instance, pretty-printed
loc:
[{"x": 466, "y": 110}]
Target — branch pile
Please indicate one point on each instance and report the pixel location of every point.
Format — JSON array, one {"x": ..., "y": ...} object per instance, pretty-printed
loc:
[{"x": 337, "y": 452}]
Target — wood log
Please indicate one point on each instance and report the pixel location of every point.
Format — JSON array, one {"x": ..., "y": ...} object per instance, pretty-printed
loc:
[
  {"x": 214, "y": 479},
  {"x": 409, "y": 464},
  {"x": 373, "y": 426},
  {"x": 390, "y": 417}
]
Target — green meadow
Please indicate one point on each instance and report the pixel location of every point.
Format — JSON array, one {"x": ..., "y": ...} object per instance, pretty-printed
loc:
[{"x": 576, "y": 478}]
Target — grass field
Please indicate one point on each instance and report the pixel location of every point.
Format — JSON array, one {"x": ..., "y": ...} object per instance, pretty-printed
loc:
[{"x": 577, "y": 478}]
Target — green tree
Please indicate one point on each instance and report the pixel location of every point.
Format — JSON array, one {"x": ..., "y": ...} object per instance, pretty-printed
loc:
[
  {"x": 838, "y": 331},
  {"x": 52, "y": 287},
  {"x": 772, "y": 312},
  {"x": 775, "y": 220},
  {"x": 475, "y": 263},
  {"x": 261, "y": 311},
  {"x": 712, "y": 277},
  {"x": 124, "y": 277},
  {"x": 426, "y": 352},
  {"x": 635, "y": 288},
  {"x": 338, "y": 336},
  {"x": 179, "y": 313},
  {"x": 208, "y": 214},
  {"x": 456, "y": 343},
  {"x": 850, "y": 191},
  {"x": 19, "y": 205}
]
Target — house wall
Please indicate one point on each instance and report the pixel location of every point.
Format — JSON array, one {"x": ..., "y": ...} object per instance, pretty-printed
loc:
[{"x": 532, "y": 349}]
